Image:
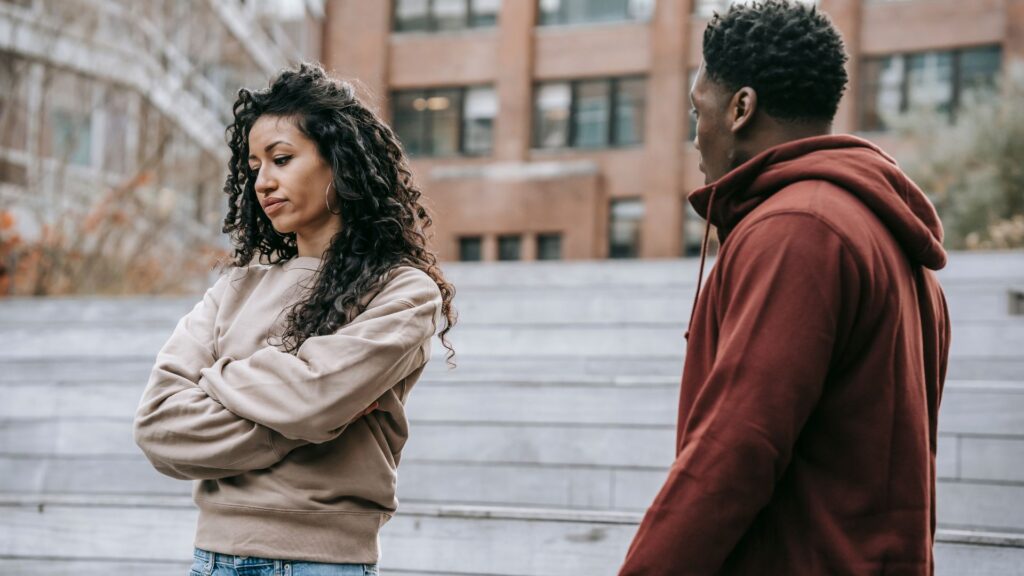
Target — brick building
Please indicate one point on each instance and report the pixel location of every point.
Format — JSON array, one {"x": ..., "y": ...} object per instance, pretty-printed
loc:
[{"x": 560, "y": 129}]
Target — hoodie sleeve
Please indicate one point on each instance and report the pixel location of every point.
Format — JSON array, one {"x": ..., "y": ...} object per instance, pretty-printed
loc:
[
  {"x": 780, "y": 315},
  {"x": 314, "y": 394},
  {"x": 183, "y": 432}
]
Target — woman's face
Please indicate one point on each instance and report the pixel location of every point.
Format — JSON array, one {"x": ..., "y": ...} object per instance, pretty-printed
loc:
[{"x": 291, "y": 179}]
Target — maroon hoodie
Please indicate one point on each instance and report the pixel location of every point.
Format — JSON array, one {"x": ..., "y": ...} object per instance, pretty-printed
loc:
[{"x": 815, "y": 363}]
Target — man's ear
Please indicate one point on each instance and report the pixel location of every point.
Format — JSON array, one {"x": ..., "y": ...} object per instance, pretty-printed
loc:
[{"x": 742, "y": 108}]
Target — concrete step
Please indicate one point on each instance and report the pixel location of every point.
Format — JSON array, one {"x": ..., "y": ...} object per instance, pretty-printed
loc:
[
  {"x": 973, "y": 339},
  {"x": 667, "y": 305},
  {"x": 156, "y": 534},
  {"x": 563, "y": 442}
]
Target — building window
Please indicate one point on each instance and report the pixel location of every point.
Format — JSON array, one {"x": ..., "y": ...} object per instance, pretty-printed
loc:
[
  {"x": 71, "y": 136},
  {"x": 624, "y": 228},
  {"x": 940, "y": 81},
  {"x": 13, "y": 102},
  {"x": 471, "y": 249},
  {"x": 590, "y": 113},
  {"x": 707, "y": 8},
  {"x": 444, "y": 15},
  {"x": 549, "y": 247},
  {"x": 556, "y": 12},
  {"x": 445, "y": 122},
  {"x": 551, "y": 115},
  {"x": 509, "y": 247},
  {"x": 693, "y": 233}
]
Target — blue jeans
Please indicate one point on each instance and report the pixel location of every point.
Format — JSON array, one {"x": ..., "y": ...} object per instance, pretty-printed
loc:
[{"x": 207, "y": 563}]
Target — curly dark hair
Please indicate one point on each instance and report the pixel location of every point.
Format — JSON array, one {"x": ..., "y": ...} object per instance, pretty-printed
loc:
[
  {"x": 383, "y": 221},
  {"x": 788, "y": 52}
]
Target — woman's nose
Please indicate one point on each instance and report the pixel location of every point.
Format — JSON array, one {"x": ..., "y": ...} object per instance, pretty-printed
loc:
[{"x": 264, "y": 183}]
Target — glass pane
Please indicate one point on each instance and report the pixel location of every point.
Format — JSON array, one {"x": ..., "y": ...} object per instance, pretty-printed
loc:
[
  {"x": 930, "y": 81},
  {"x": 590, "y": 122},
  {"x": 549, "y": 247},
  {"x": 980, "y": 67},
  {"x": 707, "y": 8},
  {"x": 640, "y": 9},
  {"x": 882, "y": 96},
  {"x": 72, "y": 136},
  {"x": 480, "y": 109},
  {"x": 443, "y": 127},
  {"x": 409, "y": 120},
  {"x": 411, "y": 15},
  {"x": 13, "y": 102},
  {"x": 508, "y": 248},
  {"x": 551, "y": 115},
  {"x": 624, "y": 229},
  {"x": 470, "y": 249},
  {"x": 450, "y": 14},
  {"x": 630, "y": 105},
  {"x": 550, "y": 12},
  {"x": 115, "y": 138},
  {"x": 583, "y": 11},
  {"x": 484, "y": 12}
]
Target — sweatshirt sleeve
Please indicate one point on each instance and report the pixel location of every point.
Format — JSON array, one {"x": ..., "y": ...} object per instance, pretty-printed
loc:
[
  {"x": 183, "y": 432},
  {"x": 782, "y": 291},
  {"x": 314, "y": 394}
]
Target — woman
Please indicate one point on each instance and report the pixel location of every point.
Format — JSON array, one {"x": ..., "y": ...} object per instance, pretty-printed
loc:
[{"x": 282, "y": 392}]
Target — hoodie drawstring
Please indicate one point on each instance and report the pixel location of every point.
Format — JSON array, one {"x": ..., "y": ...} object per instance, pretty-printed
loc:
[{"x": 703, "y": 257}]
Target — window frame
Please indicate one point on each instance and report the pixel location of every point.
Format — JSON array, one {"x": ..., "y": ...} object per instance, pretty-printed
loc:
[
  {"x": 611, "y": 136},
  {"x": 868, "y": 86},
  {"x": 426, "y": 122},
  {"x": 469, "y": 22},
  {"x": 562, "y": 18}
]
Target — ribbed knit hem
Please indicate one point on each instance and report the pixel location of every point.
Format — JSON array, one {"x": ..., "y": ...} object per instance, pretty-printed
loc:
[{"x": 314, "y": 536}]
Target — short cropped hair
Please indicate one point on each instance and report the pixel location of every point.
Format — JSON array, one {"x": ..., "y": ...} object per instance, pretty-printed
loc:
[{"x": 788, "y": 52}]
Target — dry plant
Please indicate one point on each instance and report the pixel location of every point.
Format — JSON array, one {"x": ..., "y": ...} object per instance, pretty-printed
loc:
[
  {"x": 83, "y": 231},
  {"x": 972, "y": 167}
]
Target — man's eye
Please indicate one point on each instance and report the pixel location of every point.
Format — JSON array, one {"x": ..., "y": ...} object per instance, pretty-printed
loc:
[{"x": 282, "y": 160}]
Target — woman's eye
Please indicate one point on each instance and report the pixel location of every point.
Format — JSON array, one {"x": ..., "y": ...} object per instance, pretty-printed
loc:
[{"x": 282, "y": 160}]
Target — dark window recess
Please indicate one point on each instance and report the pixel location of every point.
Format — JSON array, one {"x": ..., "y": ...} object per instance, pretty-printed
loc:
[
  {"x": 1016, "y": 301},
  {"x": 693, "y": 233},
  {"x": 549, "y": 247},
  {"x": 444, "y": 15},
  {"x": 13, "y": 173},
  {"x": 624, "y": 228},
  {"x": 445, "y": 121},
  {"x": 941, "y": 81},
  {"x": 509, "y": 247},
  {"x": 471, "y": 249},
  {"x": 593, "y": 113}
]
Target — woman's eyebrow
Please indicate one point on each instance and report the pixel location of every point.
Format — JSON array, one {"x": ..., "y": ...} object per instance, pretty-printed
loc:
[{"x": 270, "y": 147}]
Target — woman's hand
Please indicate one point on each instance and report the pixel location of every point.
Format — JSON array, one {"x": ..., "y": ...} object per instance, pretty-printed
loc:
[{"x": 368, "y": 410}]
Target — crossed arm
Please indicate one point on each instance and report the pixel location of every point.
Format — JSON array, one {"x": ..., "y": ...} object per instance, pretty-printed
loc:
[{"x": 203, "y": 417}]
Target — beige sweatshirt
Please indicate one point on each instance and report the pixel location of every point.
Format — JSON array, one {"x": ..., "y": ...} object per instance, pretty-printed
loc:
[{"x": 285, "y": 467}]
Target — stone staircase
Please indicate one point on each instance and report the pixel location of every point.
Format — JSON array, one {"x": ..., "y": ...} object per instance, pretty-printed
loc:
[{"x": 536, "y": 456}]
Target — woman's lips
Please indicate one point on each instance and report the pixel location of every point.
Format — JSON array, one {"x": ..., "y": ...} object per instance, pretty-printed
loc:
[{"x": 274, "y": 205}]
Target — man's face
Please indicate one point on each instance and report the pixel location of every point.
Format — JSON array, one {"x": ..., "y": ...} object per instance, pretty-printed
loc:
[{"x": 714, "y": 140}]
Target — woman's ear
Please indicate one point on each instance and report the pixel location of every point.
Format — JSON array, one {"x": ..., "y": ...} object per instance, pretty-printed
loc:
[{"x": 742, "y": 108}]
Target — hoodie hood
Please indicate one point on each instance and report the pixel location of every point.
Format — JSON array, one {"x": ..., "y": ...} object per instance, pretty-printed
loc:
[{"x": 851, "y": 163}]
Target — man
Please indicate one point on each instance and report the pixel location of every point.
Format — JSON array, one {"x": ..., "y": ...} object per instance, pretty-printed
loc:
[{"x": 818, "y": 345}]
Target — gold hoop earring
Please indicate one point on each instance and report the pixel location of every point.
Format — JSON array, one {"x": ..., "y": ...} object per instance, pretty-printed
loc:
[{"x": 327, "y": 199}]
